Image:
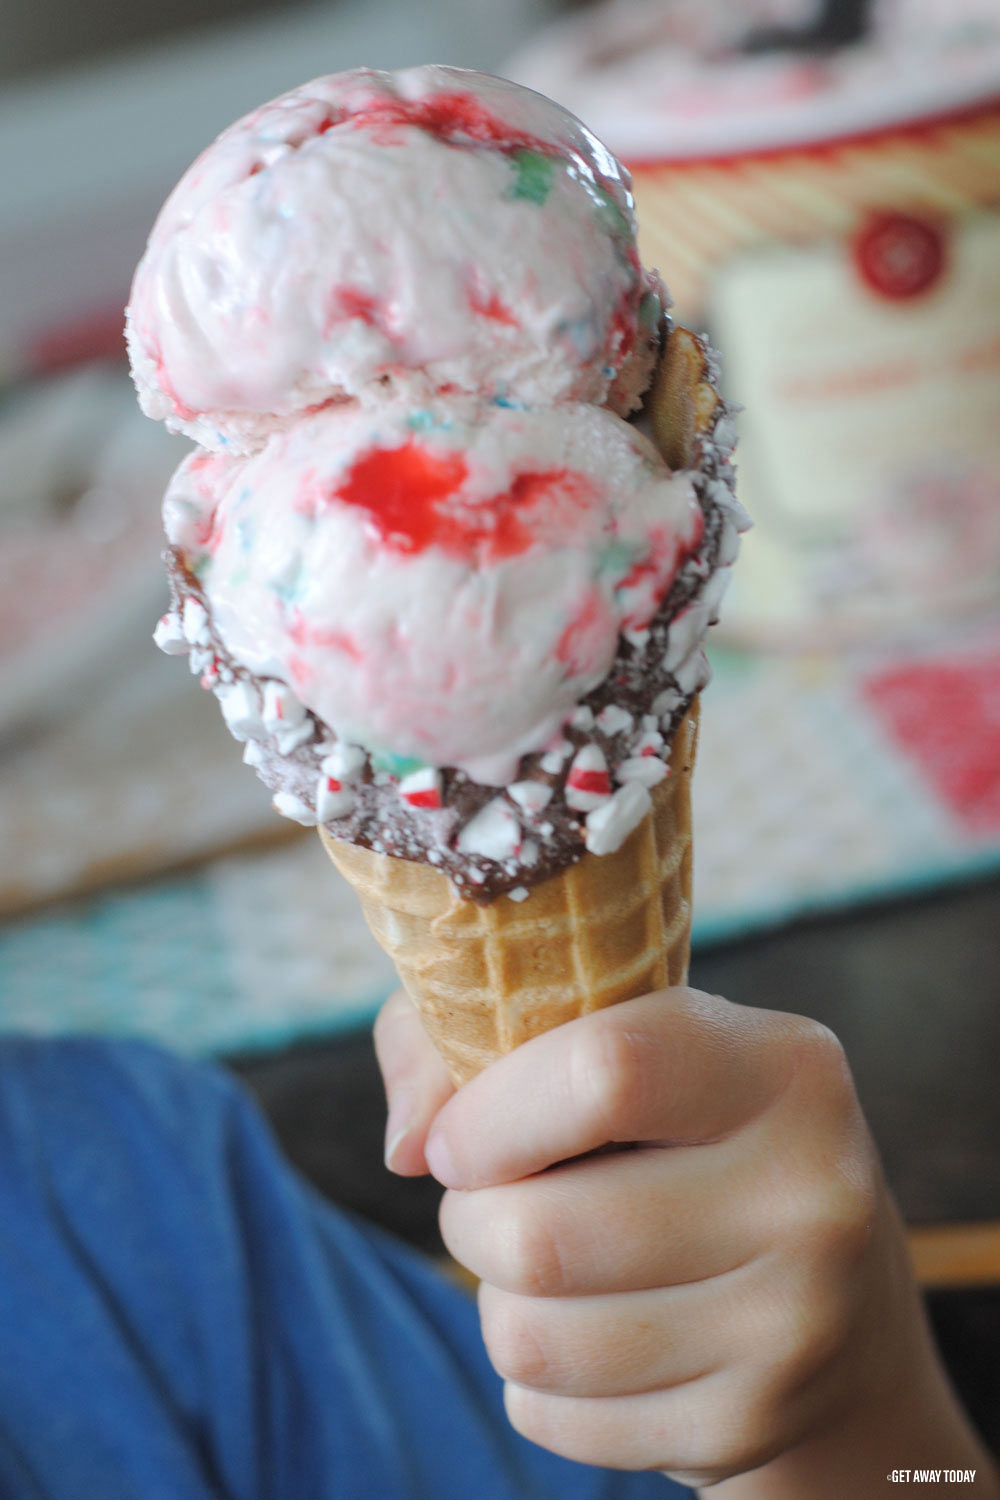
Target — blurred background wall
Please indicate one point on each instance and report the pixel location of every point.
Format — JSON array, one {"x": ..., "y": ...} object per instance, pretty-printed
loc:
[{"x": 39, "y": 34}]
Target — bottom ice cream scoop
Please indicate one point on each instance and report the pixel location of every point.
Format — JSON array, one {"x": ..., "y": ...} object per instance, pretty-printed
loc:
[{"x": 439, "y": 586}]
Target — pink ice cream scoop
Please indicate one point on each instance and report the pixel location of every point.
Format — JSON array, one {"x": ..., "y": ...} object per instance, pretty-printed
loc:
[
  {"x": 423, "y": 231},
  {"x": 441, "y": 584}
]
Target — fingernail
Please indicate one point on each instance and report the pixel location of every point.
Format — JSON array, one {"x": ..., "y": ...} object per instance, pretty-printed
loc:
[
  {"x": 398, "y": 1124},
  {"x": 439, "y": 1158}
]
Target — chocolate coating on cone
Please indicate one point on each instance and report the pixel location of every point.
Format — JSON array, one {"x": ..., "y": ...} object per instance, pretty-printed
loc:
[{"x": 486, "y": 978}]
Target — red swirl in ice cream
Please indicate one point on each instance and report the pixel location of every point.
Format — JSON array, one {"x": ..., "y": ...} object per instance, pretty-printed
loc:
[
  {"x": 430, "y": 229},
  {"x": 442, "y": 584}
]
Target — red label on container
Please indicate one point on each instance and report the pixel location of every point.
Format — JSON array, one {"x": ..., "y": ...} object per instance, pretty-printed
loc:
[{"x": 899, "y": 256}]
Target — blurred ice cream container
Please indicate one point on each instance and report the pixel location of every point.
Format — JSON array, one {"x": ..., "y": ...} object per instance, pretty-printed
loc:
[{"x": 834, "y": 218}]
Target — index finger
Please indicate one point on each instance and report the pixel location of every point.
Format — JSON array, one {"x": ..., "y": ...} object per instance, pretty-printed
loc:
[{"x": 676, "y": 1066}]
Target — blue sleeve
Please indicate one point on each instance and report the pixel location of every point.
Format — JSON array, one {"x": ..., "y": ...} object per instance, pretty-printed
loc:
[{"x": 182, "y": 1318}]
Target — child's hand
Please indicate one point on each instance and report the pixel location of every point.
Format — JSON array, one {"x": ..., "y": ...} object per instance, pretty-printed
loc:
[{"x": 731, "y": 1289}]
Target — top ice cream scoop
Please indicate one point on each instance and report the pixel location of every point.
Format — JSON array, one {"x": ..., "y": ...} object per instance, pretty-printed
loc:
[{"x": 425, "y": 231}]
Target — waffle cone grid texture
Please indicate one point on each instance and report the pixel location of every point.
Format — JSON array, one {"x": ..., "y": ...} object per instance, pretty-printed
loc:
[{"x": 486, "y": 978}]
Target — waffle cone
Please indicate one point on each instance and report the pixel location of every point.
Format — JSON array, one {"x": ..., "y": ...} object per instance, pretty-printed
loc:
[
  {"x": 608, "y": 928},
  {"x": 486, "y": 978}
]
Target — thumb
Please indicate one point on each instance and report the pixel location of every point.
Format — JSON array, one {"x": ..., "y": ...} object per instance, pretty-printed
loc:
[{"x": 416, "y": 1083}]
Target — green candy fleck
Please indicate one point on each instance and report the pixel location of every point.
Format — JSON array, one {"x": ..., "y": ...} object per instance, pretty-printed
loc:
[
  {"x": 609, "y": 213},
  {"x": 617, "y": 559},
  {"x": 396, "y": 765},
  {"x": 533, "y": 178},
  {"x": 290, "y": 586},
  {"x": 650, "y": 311}
]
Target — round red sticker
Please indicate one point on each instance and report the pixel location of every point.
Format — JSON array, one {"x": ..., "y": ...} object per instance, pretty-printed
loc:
[{"x": 898, "y": 255}]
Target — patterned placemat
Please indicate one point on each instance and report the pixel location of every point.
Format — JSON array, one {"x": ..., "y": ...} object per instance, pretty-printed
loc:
[{"x": 822, "y": 782}]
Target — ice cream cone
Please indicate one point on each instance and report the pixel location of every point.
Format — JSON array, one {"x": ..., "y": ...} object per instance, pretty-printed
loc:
[
  {"x": 486, "y": 978},
  {"x": 610, "y": 927}
]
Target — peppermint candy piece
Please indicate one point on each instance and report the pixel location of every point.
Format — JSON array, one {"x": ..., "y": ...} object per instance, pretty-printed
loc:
[
  {"x": 582, "y": 717},
  {"x": 241, "y": 710},
  {"x": 647, "y": 769},
  {"x": 494, "y": 833},
  {"x": 665, "y": 703},
  {"x": 588, "y": 783},
  {"x": 650, "y": 742},
  {"x": 614, "y": 720},
  {"x": 194, "y": 622},
  {"x": 421, "y": 788},
  {"x": 530, "y": 796},
  {"x": 169, "y": 635},
  {"x": 285, "y": 717},
  {"x": 200, "y": 659},
  {"x": 290, "y": 806},
  {"x": 693, "y": 673},
  {"x": 344, "y": 763},
  {"x": 552, "y": 761},
  {"x": 609, "y": 826},
  {"x": 333, "y": 799}
]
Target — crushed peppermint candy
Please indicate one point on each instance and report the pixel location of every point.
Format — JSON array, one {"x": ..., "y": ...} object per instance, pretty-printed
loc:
[
  {"x": 648, "y": 769},
  {"x": 552, "y": 761},
  {"x": 530, "y": 796},
  {"x": 582, "y": 717},
  {"x": 519, "y": 893},
  {"x": 290, "y": 806},
  {"x": 333, "y": 799},
  {"x": 199, "y": 660},
  {"x": 588, "y": 783},
  {"x": 194, "y": 622},
  {"x": 169, "y": 635},
  {"x": 494, "y": 833},
  {"x": 666, "y": 703},
  {"x": 240, "y": 706},
  {"x": 214, "y": 674},
  {"x": 639, "y": 638},
  {"x": 285, "y": 716},
  {"x": 614, "y": 720},
  {"x": 609, "y": 826},
  {"x": 421, "y": 788},
  {"x": 344, "y": 763},
  {"x": 650, "y": 742},
  {"x": 693, "y": 674}
]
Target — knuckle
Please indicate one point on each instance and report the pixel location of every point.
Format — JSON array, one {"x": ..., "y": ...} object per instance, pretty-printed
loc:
[
  {"x": 830, "y": 1215},
  {"x": 609, "y": 1067},
  {"x": 529, "y": 1253},
  {"x": 514, "y": 1341},
  {"x": 820, "y": 1060},
  {"x": 742, "y": 1434}
]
